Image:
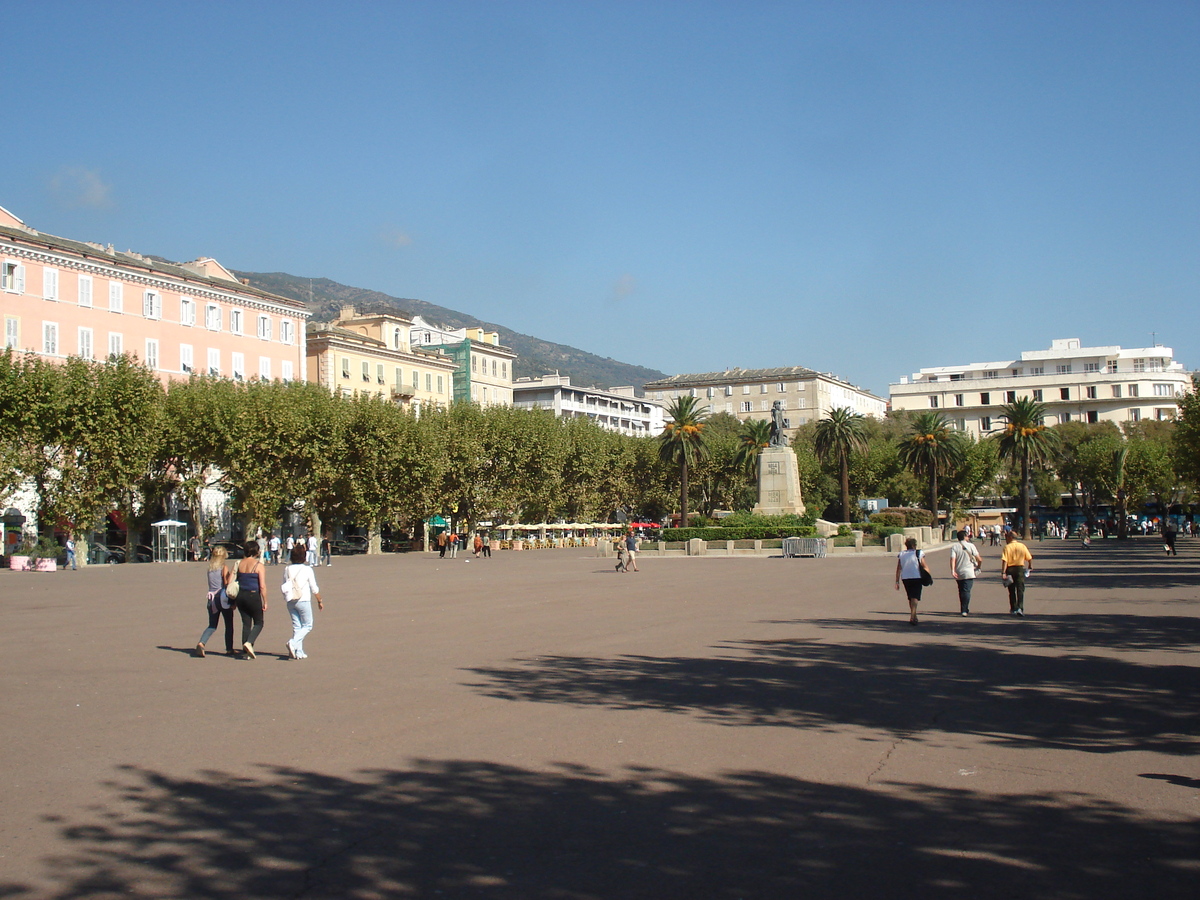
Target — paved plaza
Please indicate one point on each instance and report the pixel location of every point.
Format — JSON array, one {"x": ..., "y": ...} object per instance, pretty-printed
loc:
[{"x": 538, "y": 726}]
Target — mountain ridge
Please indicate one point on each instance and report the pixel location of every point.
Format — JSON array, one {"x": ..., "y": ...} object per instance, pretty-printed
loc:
[{"x": 325, "y": 297}]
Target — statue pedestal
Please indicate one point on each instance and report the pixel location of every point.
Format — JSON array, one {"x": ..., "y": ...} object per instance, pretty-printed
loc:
[{"x": 778, "y": 483}]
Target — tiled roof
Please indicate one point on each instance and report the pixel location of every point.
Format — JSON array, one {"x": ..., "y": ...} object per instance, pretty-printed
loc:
[
  {"x": 130, "y": 261},
  {"x": 731, "y": 375}
]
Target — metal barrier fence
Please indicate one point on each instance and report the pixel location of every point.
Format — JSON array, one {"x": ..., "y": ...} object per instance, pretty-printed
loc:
[{"x": 796, "y": 546}]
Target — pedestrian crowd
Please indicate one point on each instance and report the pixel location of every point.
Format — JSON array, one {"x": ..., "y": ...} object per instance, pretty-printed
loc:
[{"x": 1016, "y": 565}]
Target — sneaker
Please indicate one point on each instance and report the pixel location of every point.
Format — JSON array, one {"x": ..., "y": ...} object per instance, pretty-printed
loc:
[
  {"x": 200, "y": 650},
  {"x": 964, "y": 614},
  {"x": 292, "y": 650},
  {"x": 248, "y": 649},
  {"x": 1021, "y": 613}
]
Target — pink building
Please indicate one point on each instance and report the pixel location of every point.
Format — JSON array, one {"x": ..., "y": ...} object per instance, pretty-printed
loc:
[{"x": 61, "y": 298}]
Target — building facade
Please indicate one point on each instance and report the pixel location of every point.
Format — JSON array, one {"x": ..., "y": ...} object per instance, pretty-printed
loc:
[
  {"x": 371, "y": 354},
  {"x": 61, "y": 298},
  {"x": 806, "y": 395},
  {"x": 618, "y": 409},
  {"x": 484, "y": 367},
  {"x": 1076, "y": 384}
]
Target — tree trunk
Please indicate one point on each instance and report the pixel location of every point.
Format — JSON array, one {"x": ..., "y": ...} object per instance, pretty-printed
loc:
[
  {"x": 933, "y": 492},
  {"x": 683, "y": 492},
  {"x": 845, "y": 489},
  {"x": 375, "y": 538},
  {"x": 1025, "y": 534}
]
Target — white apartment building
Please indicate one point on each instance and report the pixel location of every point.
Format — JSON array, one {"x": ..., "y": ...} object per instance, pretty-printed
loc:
[
  {"x": 806, "y": 395},
  {"x": 1076, "y": 384},
  {"x": 484, "y": 372},
  {"x": 618, "y": 409}
]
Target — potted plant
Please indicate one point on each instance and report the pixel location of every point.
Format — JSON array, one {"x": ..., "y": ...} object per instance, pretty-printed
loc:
[{"x": 36, "y": 556}]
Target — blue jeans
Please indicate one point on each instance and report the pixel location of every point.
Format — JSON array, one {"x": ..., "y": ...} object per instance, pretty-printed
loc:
[
  {"x": 964, "y": 593},
  {"x": 302, "y": 622}
]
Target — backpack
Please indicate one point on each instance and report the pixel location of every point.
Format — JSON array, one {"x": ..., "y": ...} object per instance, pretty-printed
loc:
[{"x": 292, "y": 588}]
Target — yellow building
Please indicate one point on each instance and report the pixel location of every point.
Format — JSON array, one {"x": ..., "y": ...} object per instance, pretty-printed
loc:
[{"x": 371, "y": 354}]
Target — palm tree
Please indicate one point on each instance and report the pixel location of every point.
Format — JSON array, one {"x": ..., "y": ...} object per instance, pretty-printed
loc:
[
  {"x": 1025, "y": 440},
  {"x": 838, "y": 435},
  {"x": 682, "y": 442},
  {"x": 931, "y": 449},
  {"x": 753, "y": 436}
]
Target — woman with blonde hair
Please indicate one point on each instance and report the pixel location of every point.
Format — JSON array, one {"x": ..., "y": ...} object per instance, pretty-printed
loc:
[{"x": 219, "y": 604}]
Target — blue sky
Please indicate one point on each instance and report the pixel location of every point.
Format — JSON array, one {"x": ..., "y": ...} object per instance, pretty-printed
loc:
[{"x": 859, "y": 187}]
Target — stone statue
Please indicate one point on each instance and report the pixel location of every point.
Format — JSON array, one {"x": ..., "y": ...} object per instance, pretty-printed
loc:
[{"x": 778, "y": 424}]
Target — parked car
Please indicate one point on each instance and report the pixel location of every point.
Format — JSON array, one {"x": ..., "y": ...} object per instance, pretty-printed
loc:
[
  {"x": 348, "y": 546},
  {"x": 142, "y": 554}
]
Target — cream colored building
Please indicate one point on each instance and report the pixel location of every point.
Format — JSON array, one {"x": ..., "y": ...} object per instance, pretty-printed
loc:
[
  {"x": 1079, "y": 384},
  {"x": 484, "y": 372},
  {"x": 371, "y": 354},
  {"x": 806, "y": 395}
]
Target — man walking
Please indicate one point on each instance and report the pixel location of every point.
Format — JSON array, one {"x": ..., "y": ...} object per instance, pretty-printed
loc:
[
  {"x": 631, "y": 549},
  {"x": 965, "y": 563},
  {"x": 1016, "y": 564}
]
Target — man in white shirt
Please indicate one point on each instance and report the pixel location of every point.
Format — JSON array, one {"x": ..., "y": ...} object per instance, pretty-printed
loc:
[
  {"x": 965, "y": 563},
  {"x": 311, "y": 546}
]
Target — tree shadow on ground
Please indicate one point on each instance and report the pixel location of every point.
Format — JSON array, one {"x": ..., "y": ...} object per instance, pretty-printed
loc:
[
  {"x": 1084, "y": 632},
  {"x": 1093, "y": 704},
  {"x": 481, "y": 830}
]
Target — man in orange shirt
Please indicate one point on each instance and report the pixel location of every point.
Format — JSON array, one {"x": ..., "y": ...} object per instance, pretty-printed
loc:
[{"x": 1016, "y": 562}]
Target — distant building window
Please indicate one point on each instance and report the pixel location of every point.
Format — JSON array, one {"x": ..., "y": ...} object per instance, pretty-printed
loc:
[
  {"x": 1091, "y": 392},
  {"x": 416, "y": 380},
  {"x": 397, "y": 340},
  {"x": 187, "y": 311},
  {"x": 12, "y": 278},
  {"x": 12, "y": 331},
  {"x": 747, "y": 406},
  {"x": 287, "y": 332},
  {"x": 1135, "y": 415},
  {"x": 264, "y": 328},
  {"x": 985, "y": 423},
  {"x": 366, "y": 371},
  {"x": 1066, "y": 417},
  {"x": 1133, "y": 391},
  {"x": 958, "y": 400},
  {"x": 1037, "y": 394},
  {"x": 49, "y": 283},
  {"x": 345, "y": 367},
  {"x": 399, "y": 377},
  {"x": 212, "y": 317},
  {"x": 1112, "y": 367},
  {"x": 475, "y": 364},
  {"x": 238, "y": 364},
  {"x": 1093, "y": 416},
  {"x": 1116, "y": 391},
  {"x": 151, "y": 353},
  {"x": 745, "y": 388},
  {"x": 762, "y": 388},
  {"x": 933, "y": 402},
  {"x": 992, "y": 373},
  {"x": 1164, "y": 390},
  {"x": 116, "y": 344},
  {"x": 1063, "y": 369},
  {"x": 781, "y": 387},
  {"x": 152, "y": 305},
  {"x": 235, "y": 321},
  {"x": 379, "y": 373},
  {"x": 1156, "y": 364},
  {"x": 428, "y": 383},
  {"x": 1038, "y": 370},
  {"x": 264, "y": 368},
  {"x": 1163, "y": 414},
  {"x": 50, "y": 338},
  {"x": 504, "y": 370},
  {"x": 440, "y": 391},
  {"x": 85, "y": 343},
  {"x": 1010, "y": 396},
  {"x": 286, "y": 370},
  {"x": 185, "y": 358},
  {"x": 116, "y": 297},
  {"x": 728, "y": 391},
  {"x": 1091, "y": 367},
  {"x": 985, "y": 399},
  {"x": 709, "y": 393},
  {"x": 1139, "y": 365},
  {"x": 85, "y": 290},
  {"x": 214, "y": 362},
  {"x": 1064, "y": 393},
  {"x": 958, "y": 376}
]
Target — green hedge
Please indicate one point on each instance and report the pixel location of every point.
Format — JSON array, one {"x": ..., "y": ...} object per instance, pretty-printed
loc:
[
  {"x": 903, "y": 517},
  {"x": 758, "y": 533}
]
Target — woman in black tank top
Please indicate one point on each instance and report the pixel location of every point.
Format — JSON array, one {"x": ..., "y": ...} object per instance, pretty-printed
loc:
[{"x": 252, "y": 596}]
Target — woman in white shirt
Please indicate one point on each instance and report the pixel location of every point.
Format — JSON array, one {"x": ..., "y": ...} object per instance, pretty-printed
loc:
[
  {"x": 299, "y": 589},
  {"x": 909, "y": 565}
]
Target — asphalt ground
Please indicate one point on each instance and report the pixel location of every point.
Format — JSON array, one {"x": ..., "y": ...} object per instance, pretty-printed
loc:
[{"x": 538, "y": 726}]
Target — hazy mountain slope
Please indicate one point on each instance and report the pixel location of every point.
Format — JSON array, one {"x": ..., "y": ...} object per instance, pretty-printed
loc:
[{"x": 537, "y": 356}]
